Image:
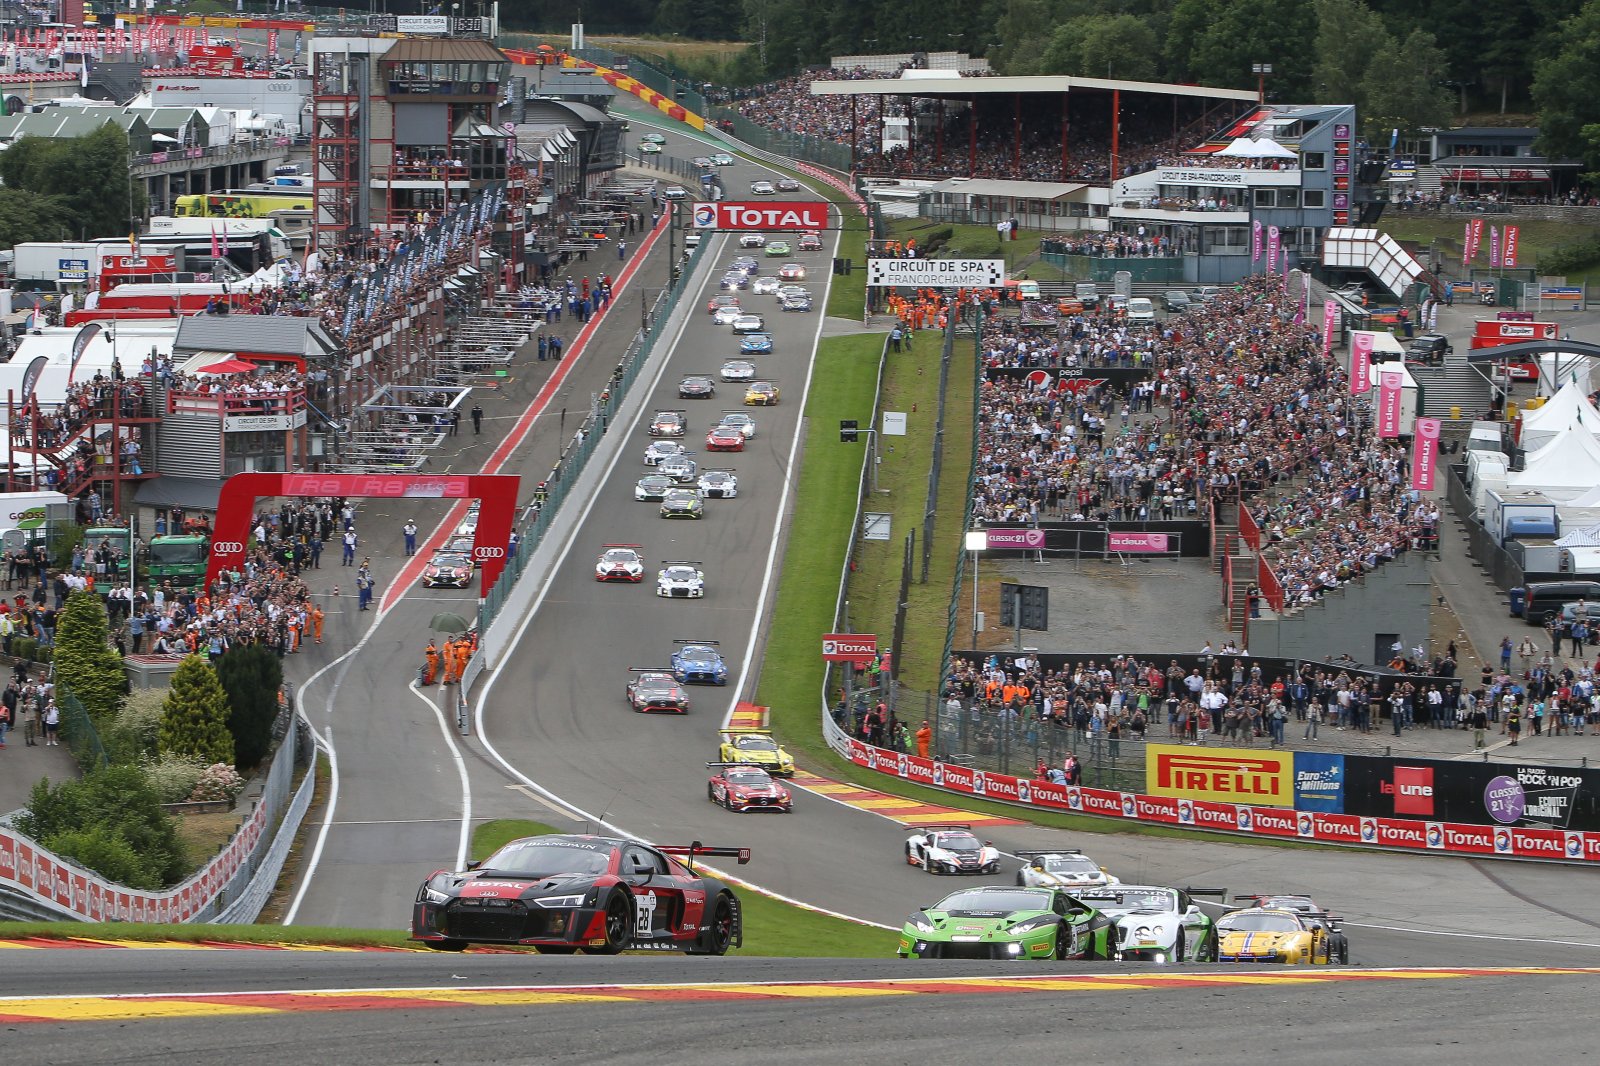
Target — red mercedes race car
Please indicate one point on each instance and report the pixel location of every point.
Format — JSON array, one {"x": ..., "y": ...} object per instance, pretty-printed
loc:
[
  {"x": 742, "y": 787},
  {"x": 566, "y": 893}
]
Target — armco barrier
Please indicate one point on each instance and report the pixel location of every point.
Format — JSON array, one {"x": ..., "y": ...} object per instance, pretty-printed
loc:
[
  {"x": 1401, "y": 834},
  {"x": 36, "y": 882}
]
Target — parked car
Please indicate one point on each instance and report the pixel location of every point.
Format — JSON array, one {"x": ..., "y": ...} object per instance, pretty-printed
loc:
[{"x": 1176, "y": 301}]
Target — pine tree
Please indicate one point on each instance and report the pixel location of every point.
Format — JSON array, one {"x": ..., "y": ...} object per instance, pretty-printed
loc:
[
  {"x": 86, "y": 663},
  {"x": 251, "y": 674},
  {"x": 194, "y": 720}
]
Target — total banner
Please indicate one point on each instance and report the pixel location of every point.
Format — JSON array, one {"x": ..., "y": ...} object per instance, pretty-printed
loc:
[
  {"x": 1474, "y": 239},
  {"x": 1360, "y": 363},
  {"x": 1508, "y": 252},
  {"x": 1390, "y": 384},
  {"x": 1424, "y": 453},
  {"x": 1421, "y": 835}
]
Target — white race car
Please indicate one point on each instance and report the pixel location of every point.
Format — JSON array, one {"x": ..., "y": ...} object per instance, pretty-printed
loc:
[
  {"x": 681, "y": 580},
  {"x": 661, "y": 449},
  {"x": 950, "y": 849},
  {"x": 1155, "y": 924},
  {"x": 719, "y": 484},
  {"x": 1065, "y": 868}
]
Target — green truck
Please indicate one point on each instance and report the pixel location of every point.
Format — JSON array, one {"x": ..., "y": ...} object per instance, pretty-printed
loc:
[
  {"x": 119, "y": 537},
  {"x": 179, "y": 558}
]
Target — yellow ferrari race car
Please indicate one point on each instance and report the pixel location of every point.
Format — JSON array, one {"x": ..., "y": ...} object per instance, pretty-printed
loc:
[
  {"x": 757, "y": 748},
  {"x": 1260, "y": 934}
]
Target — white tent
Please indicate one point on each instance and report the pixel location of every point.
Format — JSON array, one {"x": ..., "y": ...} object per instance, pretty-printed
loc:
[
  {"x": 1567, "y": 409},
  {"x": 1588, "y": 499},
  {"x": 1588, "y": 537},
  {"x": 1242, "y": 147},
  {"x": 1566, "y": 468},
  {"x": 1267, "y": 148}
]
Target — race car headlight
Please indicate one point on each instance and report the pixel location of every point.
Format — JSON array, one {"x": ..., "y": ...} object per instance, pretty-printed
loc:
[
  {"x": 433, "y": 895},
  {"x": 1028, "y": 925},
  {"x": 560, "y": 902},
  {"x": 922, "y": 921},
  {"x": 1144, "y": 932}
]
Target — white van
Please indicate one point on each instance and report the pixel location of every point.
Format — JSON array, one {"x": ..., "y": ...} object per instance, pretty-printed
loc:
[{"x": 1141, "y": 310}]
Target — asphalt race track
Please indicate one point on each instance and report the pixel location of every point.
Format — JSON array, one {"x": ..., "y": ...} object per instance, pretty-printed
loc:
[{"x": 425, "y": 1009}]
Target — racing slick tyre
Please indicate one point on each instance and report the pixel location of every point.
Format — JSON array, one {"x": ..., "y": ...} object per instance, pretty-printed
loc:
[
  {"x": 1342, "y": 952},
  {"x": 711, "y": 794},
  {"x": 1064, "y": 942},
  {"x": 447, "y": 945},
  {"x": 618, "y": 926},
  {"x": 556, "y": 949},
  {"x": 1177, "y": 949},
  {"x": 1208, "y": 950},
  {"x": 1020, "y": 882},
  {"x": 718, "y": 937}
]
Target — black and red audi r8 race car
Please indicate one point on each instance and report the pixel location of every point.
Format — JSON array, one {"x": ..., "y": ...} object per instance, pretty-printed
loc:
[
  {"x": 741, "y": 787},
  {"x": 565, "y": 893}
]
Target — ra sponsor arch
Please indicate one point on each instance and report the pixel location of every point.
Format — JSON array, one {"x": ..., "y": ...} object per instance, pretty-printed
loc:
[{"x": 498, "y": 493}]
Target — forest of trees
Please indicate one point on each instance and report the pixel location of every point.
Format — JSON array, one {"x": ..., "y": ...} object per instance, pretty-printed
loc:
[{"x": 1405, "y": 63}]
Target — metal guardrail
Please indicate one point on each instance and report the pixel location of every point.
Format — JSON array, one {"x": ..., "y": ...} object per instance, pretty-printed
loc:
[{"x": 252, "y": 898}]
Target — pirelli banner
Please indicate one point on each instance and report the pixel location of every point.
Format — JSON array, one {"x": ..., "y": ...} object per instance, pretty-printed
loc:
[{"x": 1250, "y": 792}]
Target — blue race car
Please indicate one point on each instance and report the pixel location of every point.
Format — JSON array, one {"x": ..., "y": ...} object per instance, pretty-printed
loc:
[
  {"x": 756, "y": 344},
  {"x": 699, "y": 661}
]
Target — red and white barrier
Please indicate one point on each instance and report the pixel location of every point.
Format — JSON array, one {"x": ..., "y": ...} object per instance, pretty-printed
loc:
[
  {"x": 827, "y": 178},
  {"x": 1449, "y": 838}
]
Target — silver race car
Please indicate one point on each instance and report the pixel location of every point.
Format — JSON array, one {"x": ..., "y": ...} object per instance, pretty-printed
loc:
[{"x": 1064, "y": 868}]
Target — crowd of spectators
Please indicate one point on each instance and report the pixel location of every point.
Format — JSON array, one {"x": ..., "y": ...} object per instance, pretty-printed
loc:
[
  {"x": 1120, "y": 245},
  {"x": 788, "y": 104},
  {"x": 1240, "y": 400}
]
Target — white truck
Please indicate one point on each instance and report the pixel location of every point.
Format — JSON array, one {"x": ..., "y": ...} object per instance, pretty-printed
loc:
[{"x": 25, "y": 516}]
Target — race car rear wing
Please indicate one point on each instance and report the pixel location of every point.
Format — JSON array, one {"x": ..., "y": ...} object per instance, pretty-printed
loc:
[
  {"x": 743, "y": 732},
  {"x": 682, "y": 562},
  {"x": 709, "y": 643},
  {"x": 689, "y": 851},
  {"x": 1219, "y": 893},
  {"x": 934, "y": 826},
  {"x": 650, "y": 670},
  {"x": 1029, "y": 854},
  {"x": 622, "y": 546},
  {"x": 730, "y": 765}
]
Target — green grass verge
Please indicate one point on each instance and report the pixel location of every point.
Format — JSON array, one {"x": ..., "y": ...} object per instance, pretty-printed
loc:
[
  {"x": 911, "y": 384},
  {"x": 819, "y": 536},
  {"x": 982, "y": 242},
  {"x": 493, "y": 835},
  {"x": 1535, "y": 238}
]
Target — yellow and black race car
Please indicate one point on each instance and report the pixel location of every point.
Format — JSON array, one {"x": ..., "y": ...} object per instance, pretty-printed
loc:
[
  {"x": 1261, "y": 934},
  {"x": 756, "y": 747}
]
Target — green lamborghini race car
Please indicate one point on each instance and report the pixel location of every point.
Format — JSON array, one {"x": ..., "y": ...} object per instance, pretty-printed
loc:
[{"x": 1007, "y": 923}]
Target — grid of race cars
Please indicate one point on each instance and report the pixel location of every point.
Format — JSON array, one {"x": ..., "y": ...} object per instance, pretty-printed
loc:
[{"x": 1065, "y": 906}]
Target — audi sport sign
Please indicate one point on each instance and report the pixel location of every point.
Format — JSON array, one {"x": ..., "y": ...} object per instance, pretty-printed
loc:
[
  {"x": 849, "y": 647},
  {"x": 799, "y": 215},
  {"x": 936, "y": 273}
]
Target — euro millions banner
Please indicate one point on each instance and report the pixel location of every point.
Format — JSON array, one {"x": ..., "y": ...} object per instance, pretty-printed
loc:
[
  {"x": 1273, "y": 245},
  {"x": 1424, "y": 453},
  {"x": 1255, "y": 243},
  {"x": 1329, "y": 312},
  {"x": 1390, "y": 384},
  {"x": 1494, "y": 246},
  {"x": 1508, "y": 251},
  {"x": 1360, "y": 363}
]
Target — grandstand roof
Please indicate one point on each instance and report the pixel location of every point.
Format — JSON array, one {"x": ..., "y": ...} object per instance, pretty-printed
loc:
[
  {"x": 952, "y": 85},
  {"x": 1018, "y": 190}
]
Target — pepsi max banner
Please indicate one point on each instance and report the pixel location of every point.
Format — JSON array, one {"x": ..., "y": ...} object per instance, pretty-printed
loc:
[
  {"x": 1375, "y": 831},
  {"x": 1066, "y": 380}
]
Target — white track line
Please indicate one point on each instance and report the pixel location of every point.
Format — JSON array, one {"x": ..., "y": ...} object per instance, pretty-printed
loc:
[
  {"x": 464, "y": 843},
  {"x": 789, "y": 470},
  {"x": 538, "y": 602},
  {"x": 326, "y": 744}
]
